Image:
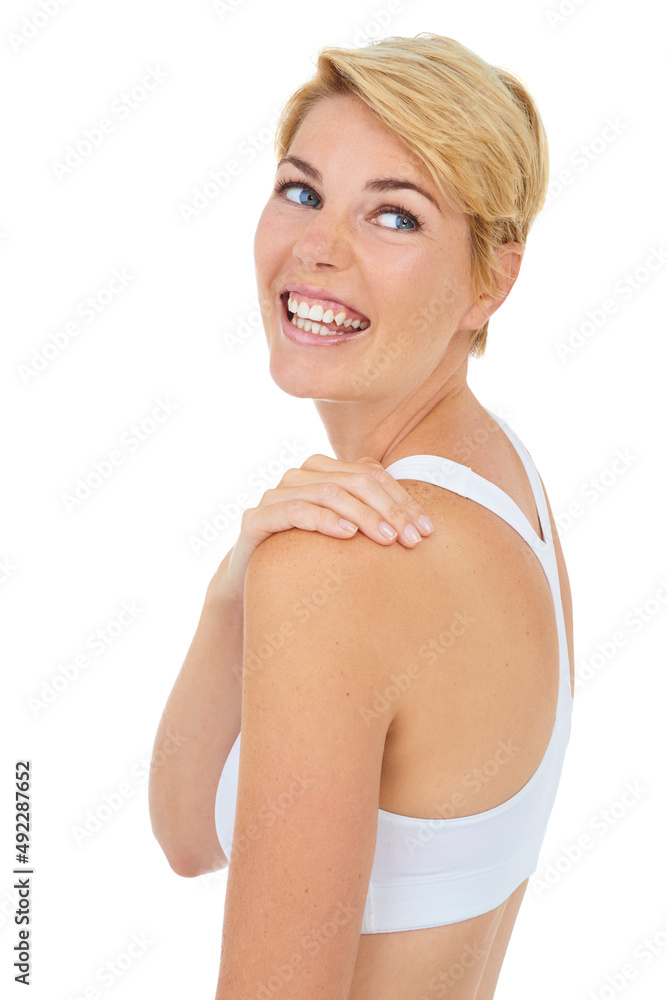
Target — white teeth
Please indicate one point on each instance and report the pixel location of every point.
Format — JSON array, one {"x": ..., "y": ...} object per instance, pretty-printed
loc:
[
  {"x": 319, "y": 328},
  {"x": 308, "y": 318},
  {"x": 317, "y": 313}
]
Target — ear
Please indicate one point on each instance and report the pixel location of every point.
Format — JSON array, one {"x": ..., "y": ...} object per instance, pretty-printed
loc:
[{"x": 508, "y": 262}]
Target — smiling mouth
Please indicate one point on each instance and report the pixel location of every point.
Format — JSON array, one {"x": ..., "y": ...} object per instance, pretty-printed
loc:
[{"x": 330, "y": 329}]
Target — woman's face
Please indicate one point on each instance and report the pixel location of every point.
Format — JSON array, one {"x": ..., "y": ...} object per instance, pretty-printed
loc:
[{"x": 395, "y": 255}]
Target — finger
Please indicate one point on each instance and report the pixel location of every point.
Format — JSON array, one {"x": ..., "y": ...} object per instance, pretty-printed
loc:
[
  {"x": 258, "y": 523},
  {"x": 371, "y": 461},
  {"x": 399, "y": 491},
  {"x": 402, "y": 509},
  {"x": 412, "y": 507},
  {"x": 358, "y": 498}
]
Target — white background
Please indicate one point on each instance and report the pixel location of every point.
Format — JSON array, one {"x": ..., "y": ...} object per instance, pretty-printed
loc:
[{"x": 165, "y": 336}]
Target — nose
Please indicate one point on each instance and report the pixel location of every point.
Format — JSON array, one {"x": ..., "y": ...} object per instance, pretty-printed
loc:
[{"x": 323, "y": 241}]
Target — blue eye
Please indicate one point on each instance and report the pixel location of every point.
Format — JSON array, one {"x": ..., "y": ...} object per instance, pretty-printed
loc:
[
  {"x": 295, "y": 186},
  {"x": 307, "y": 196},
  {"x": 401, "y": 214}
]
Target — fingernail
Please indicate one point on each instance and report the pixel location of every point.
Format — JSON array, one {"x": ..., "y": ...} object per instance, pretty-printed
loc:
[
  {"x": 425, "y": 523},
  {"x": 387, "y": 530},
  {"x": 412, "y": 533},
  {"x": 347, "y": 525}
]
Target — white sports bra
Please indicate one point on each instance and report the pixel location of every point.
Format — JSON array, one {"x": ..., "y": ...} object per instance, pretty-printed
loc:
[{"x": 428, "y": 872}]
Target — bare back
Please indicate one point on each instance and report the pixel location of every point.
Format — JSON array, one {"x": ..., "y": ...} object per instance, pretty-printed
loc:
[{"x": 496, "y": 685}]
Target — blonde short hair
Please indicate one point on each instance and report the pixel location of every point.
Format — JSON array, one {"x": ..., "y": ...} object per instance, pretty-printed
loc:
[{"x": 473, "y": 126}]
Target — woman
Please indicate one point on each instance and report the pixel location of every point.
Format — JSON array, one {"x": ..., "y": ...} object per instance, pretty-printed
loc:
[{"x": 383, "y": 667}]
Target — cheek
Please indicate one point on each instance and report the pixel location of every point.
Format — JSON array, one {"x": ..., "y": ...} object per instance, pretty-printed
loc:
[
  {"x": 267, "y": 246},
  {"x": 261, "y": 244},
  {"x": 445, "y": 295},
  {"x": 419, "y": 299}
]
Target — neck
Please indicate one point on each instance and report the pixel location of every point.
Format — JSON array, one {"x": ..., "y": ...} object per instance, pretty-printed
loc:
[{"x": 387, "y": 428}]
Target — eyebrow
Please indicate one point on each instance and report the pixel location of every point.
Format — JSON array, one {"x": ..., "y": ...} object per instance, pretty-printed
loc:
[{"x": 377, "y": 184}]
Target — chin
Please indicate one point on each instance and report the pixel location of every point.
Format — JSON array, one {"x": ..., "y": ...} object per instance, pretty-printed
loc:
[
  {"x": 312, "y": 385},
  {"x": 317, "y": 372}
]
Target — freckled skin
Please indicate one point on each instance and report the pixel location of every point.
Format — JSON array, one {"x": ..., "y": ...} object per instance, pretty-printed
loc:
[
  {"x": 403, "y": 384},
  {"x": 414, "y": 285}
]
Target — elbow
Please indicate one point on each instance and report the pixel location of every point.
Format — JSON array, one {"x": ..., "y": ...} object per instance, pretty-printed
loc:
[
  {"x": 192, "y": 848},
  {"x": 188, "y": 863},
  {"x": 188, "y": 866}
]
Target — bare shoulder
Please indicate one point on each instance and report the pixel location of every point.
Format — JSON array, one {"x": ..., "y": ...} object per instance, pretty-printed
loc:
[
  {"x": 297, "y": 556},
  {"x": 373, "y": 587}
]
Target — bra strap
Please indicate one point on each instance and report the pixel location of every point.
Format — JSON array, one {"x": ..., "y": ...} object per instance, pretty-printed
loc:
[
  {"x": 532, "y": 473},
  {"x": 461, "y": 479}
]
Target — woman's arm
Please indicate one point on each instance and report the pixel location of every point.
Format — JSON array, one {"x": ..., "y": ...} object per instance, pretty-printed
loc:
[
  {"x": 200, "y": 722},
  {"x": 311, "y": 756},
  {"x": 202, "y": 717}
]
